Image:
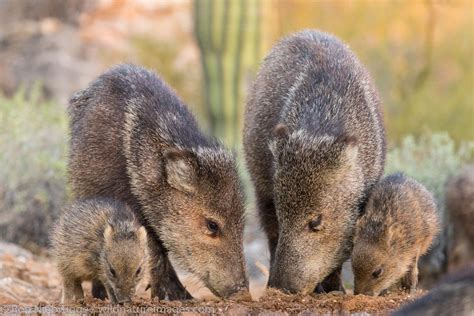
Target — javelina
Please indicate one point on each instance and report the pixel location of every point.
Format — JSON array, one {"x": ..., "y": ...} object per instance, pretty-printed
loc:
[
  {"x": 315, "y": 144},
  {"x": 459, "y": 200},
  {"x": 398, "y": 226},
  {"x": 102, "y": 241},
  {"x": 133, "y": 139},
  {"x": 452, "y": 296}
]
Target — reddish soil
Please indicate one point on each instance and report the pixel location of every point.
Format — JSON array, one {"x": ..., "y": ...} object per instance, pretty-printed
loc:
[{"x": 28, "y": 280}]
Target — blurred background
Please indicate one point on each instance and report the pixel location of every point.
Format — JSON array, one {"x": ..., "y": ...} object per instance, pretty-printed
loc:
[{"x": 420, "y": 54}]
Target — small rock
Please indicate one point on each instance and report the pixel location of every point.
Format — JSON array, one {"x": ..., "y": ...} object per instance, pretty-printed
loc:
[{"x": 10, "y": 250}]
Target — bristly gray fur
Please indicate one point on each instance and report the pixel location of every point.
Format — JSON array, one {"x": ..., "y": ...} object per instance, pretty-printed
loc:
[
  {"x": 398, "y": 226},
  {"x": 83, "y": 253},
  {"x": 133, "y": 139},
  {"x": 327, "y": 161}
]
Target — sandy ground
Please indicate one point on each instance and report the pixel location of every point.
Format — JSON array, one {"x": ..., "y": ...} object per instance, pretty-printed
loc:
[{"x": 31, "y": 281}]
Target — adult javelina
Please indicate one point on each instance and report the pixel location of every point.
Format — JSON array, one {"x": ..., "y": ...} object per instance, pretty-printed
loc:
[
  {"x": 133, "y": 139},
  {"x": 315, "y": 145}
]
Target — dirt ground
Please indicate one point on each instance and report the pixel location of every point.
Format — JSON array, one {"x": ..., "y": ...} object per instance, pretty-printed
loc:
[{"x": 31, "y": 281}]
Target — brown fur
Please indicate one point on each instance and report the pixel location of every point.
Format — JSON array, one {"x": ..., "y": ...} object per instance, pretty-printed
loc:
[
  {"x": 459, "y": 201},
  {"x": 133, "y": 139},
  {"x": 398, "y": 226},
  {"x": 100, "y": 240},
  {"x": 314, "y": 144}
]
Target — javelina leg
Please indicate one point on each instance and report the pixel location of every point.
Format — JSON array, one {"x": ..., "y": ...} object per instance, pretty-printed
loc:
[
  {"x": 110, "y": 293},
  {"x": 269, "y": 222},
  {"x": 410, "y": 280},
  {"x": 332, "y": 282},
  {"x": 164, "y": 281},
  {"x": 72, "y": 291},
  {"x": 98, "y": 290}
]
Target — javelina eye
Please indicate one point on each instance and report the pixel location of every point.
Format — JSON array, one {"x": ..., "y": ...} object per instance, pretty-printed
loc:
[
  {"x": 138, "y": 271},
  {"x": 212, "y": 227},
  {"x": 377, "y": 273},
  {"x": 112, "y": 271},
  {"x": 315, "y": 224}
]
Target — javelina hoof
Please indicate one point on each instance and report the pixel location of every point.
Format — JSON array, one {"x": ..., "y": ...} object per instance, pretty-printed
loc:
[
  {"x": 125, "y": 301},
  {"x": 98, "y": 290},
  {"x": 242, "y": 295},
  {"x": 409, "y": 289},
  {"x": 164, "y": 283},
  {"x": 332, "y": 283},
  {"x": 170, "y": 292},
  {"x": 319, "y": 289}
]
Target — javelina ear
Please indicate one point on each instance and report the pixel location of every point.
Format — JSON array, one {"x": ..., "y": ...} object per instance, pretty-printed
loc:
[
  {"x": 108, "y": 234},
  {"x": 392, "y": 232},
  {"x": 281, "y": 134},
  {"x": 351, "y": 147},
  {"x": 142, "y": 236},
  {"x": 181, "y": 170},
  {"x": 281, "y": 131}
]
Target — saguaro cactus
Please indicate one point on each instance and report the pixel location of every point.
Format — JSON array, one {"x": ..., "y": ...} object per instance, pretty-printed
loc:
[{"x": 227, "y": 33}]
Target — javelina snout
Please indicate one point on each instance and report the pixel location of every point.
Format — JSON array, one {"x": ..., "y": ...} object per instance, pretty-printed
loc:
[
  {"x": 118, "y": 297},
  {"x": 121, "y": 292},
  {"x": 229, "y": 285},
  {"x": 366, "y": 288},
  {"x": 295, "y": 270},
  {"x": 231, "y": 282},
  {"x": 286, "y": 271},
  {"x": 226, "y": 273},
  {"x": 288, "y": 282}
]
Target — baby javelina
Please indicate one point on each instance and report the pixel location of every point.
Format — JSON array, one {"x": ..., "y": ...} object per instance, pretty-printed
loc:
[
  {"x": 398, "y": 226},
  {"x": 99, "y": 240}
]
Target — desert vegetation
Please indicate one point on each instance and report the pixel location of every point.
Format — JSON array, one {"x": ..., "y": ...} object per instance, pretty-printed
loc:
[{"x": 419, "y": 54}]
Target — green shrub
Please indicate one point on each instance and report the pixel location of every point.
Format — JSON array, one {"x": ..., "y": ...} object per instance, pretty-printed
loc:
[
  {"x": 33, "y": 138},
  {"x": 430, "y": 159}
]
